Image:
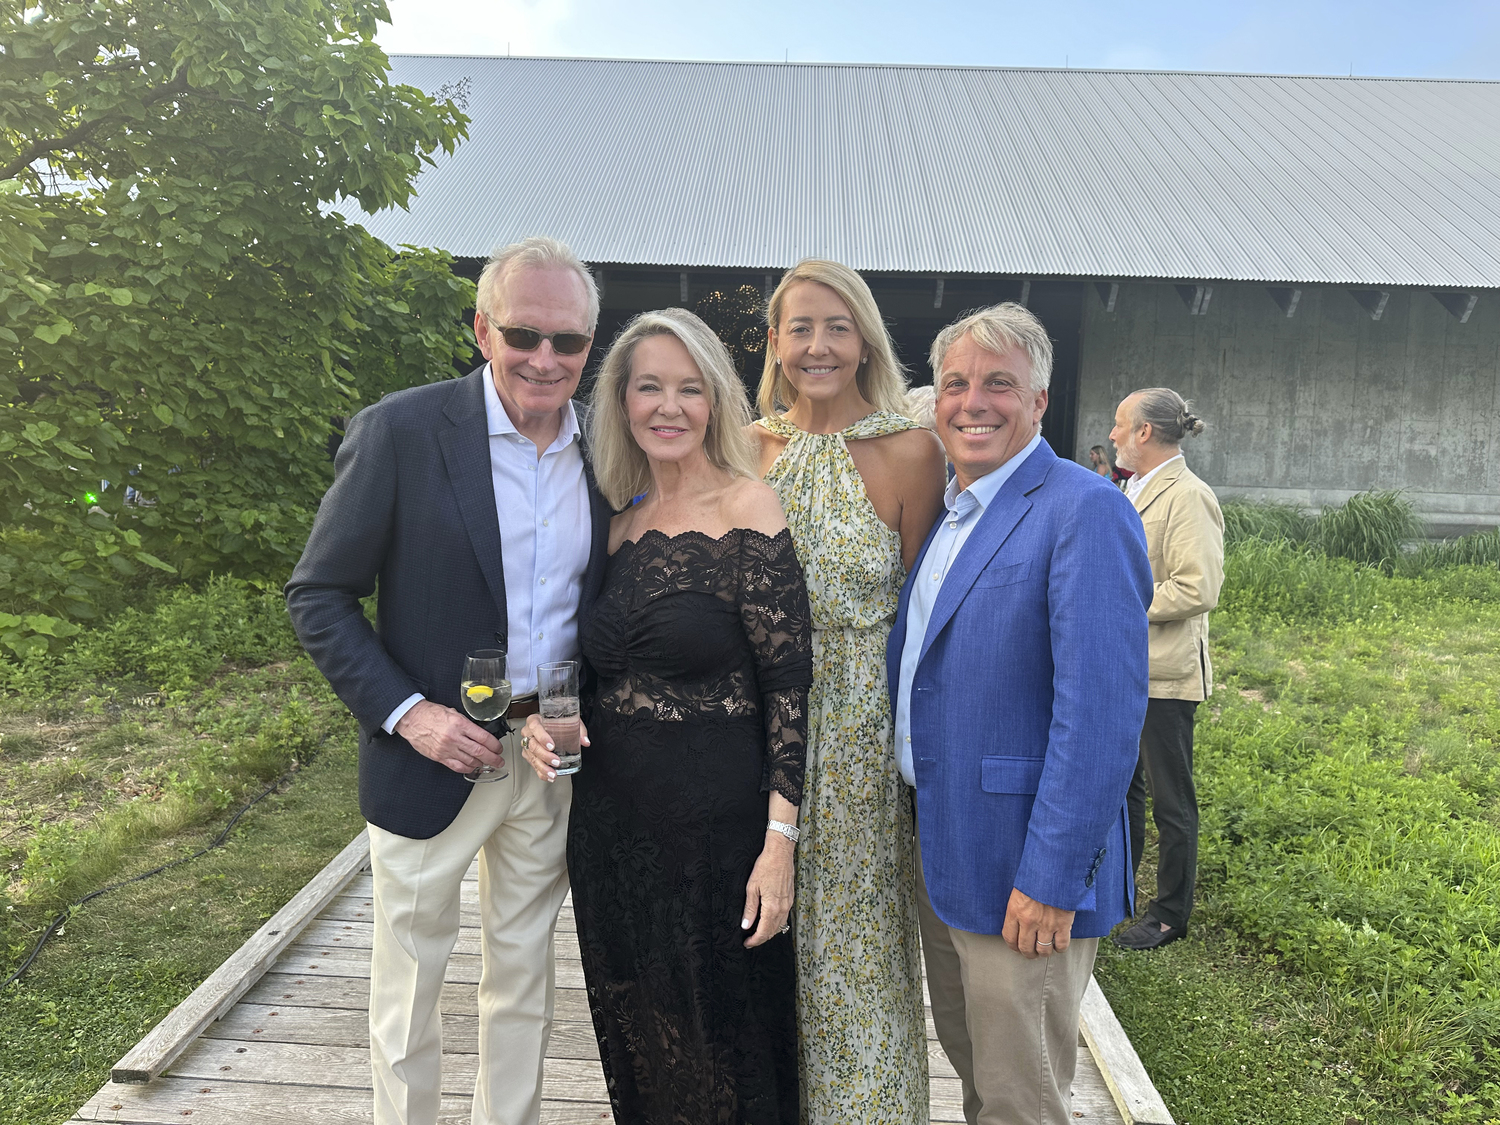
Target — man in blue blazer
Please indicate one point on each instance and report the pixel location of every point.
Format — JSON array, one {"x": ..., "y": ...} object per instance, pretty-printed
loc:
[{"x": 1021, "y": 752}]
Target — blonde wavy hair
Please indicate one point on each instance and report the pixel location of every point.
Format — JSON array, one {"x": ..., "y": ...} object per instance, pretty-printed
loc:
[
  {"x": 882, "y": 380},
  {"x": 620, "y": 465}
]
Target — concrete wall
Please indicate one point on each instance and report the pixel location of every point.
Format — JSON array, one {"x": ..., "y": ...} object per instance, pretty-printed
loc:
[{"x": 1313, "y": 408}]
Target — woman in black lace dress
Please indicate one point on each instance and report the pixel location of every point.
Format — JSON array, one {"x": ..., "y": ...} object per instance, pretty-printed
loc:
[{"x": 681, "y": 838}]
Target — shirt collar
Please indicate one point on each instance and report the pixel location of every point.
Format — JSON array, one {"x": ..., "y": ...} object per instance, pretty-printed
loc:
[
  {"x": 984, "y": 490},
  {"x": 1136, "y": 484},
  {"x": 498, "y": 421}
]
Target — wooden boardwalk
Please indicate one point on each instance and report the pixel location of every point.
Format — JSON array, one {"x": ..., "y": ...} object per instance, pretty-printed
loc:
[{"x": 295, "y": 1046}]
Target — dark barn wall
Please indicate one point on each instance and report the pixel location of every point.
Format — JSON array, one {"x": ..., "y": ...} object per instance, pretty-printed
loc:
[
  {"x": 1316, "y": 407},
  {"x": 907, "y": 301}
]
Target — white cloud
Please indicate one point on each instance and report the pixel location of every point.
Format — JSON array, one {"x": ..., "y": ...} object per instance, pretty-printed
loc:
[{"x": 477, "y": 27}]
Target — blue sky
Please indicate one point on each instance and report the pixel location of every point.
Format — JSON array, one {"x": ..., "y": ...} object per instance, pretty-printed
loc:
[{"x": 1441, "y": 38}]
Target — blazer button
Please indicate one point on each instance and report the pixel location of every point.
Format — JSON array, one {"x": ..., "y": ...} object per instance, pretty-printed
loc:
[
  {"x": 499, "y": 638},
  {"x": 1089, "y": 882}
]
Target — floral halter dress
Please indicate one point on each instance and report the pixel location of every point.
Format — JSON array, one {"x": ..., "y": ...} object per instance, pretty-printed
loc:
[{"x": 860, "y": 1018}]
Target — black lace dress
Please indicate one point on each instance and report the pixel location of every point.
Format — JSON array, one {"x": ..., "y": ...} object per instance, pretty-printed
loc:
[{"x": 702, "y": 649}]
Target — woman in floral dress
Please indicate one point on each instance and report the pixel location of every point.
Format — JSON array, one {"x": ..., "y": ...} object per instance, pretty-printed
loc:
[{"x": 861, "y": 486}]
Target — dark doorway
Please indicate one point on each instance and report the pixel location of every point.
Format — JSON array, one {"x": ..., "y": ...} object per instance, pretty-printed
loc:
[{"x": 908, "y": 303}]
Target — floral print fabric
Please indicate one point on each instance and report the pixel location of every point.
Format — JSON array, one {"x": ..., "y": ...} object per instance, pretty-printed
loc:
[{"x": 861, "y": 1026}]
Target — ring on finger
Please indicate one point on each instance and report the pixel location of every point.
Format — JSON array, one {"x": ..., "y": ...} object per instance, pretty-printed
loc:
[
  {"x": 526, "y": 742},
  {"x": 1044, "y": 943}
]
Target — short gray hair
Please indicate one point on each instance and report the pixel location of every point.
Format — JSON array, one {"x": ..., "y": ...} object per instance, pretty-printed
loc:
[
  {"x": 996, "y": 329},
  {"x": 921, "y": 406},
  {"x": 536, "y": 251},
  {"x": 1170, "y": 415},
  {"x": 620, "y": 465}
]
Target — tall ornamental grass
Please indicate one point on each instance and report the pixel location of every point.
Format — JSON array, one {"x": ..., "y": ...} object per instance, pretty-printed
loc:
[{"x": 1370, "y": 528}]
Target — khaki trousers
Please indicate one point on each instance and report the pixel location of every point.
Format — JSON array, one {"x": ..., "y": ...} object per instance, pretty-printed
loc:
[
  {"x": 1008, "y": 1025},
  {"x": 519, "y": 828}
]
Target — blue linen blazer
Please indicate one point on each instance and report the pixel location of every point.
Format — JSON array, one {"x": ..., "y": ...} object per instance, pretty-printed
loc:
[{"x": 1023, "y": 747}]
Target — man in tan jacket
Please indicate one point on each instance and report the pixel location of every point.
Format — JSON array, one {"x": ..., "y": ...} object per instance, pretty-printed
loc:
[{"x": 1185, "y": 543}]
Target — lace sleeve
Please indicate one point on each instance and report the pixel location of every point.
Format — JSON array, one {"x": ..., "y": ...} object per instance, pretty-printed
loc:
[{"x": 778, "y": 621}]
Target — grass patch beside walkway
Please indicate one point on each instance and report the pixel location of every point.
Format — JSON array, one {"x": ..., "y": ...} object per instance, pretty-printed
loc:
[{"x": 130, "y": 750}]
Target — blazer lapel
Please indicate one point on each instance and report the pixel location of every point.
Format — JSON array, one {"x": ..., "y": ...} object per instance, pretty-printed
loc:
[
  {"x": 466, "y": 453},
  {"x": 1159, "y": 484},
  {"x": 1009, "y": 507}
]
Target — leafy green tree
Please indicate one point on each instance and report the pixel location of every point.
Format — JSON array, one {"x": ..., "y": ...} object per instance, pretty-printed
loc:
[{"x": 181, "y": 310}]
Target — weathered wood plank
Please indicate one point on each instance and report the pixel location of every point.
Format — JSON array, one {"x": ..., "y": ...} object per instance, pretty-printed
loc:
[
  {"x": 353, "y": 992},
  {"x": 344, "y": 1027},
  {"x": 361, "y": 908},
  {"x": 354, "y": 933},
  {"x": 244, "y": 967},
  {"x": 173, "y": 1101},
  {"x": 303, "y": 1064},
  {"x": 463, "y": 968},
  {"x": 296, "y": 1045},
  {"x": 1092, "y": 1101},
  {"x": 1134, "y": 1095}
]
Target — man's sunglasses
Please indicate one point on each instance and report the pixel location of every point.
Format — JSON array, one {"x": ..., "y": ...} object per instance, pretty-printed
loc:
[{"x": 529, "y": 339}]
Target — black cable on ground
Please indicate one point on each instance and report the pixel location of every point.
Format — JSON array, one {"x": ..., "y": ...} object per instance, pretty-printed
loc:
[{"x": 217, "y": 842}]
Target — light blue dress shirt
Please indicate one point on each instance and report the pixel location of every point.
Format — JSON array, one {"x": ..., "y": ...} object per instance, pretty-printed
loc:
[
  {"x": 545, "y": 534},
  {"x": 964, "y": 510}
]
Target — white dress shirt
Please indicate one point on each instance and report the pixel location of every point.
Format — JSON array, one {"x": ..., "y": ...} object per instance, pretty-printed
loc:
[
  {"x": 1136, "y": 484},
  {"x": 545, "y": 534},
  {"x": 964, "y": 511}
]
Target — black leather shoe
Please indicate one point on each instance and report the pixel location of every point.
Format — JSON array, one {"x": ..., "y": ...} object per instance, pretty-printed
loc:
[{"x": 1148, "y": 934}]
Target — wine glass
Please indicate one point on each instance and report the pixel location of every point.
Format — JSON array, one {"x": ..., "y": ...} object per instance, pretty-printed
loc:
[{"x": 485, "y": 694}]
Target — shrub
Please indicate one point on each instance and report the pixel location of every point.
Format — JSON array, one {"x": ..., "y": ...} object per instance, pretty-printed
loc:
[
  {"x": 181, "y": 309},
  {"x": 175, "y": 645},
  {"x": 1369, "y": 527},
  {"x": 1283, "y": 582},
  {"x": 1479, "y": 549},
  {"x": 1268, "y": 522}
]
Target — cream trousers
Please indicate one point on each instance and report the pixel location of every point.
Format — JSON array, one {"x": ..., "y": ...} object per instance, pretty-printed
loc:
[{"x": 519, "y": 828}]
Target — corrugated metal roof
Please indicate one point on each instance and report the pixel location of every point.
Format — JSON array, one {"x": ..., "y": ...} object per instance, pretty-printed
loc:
[{"x": 1081, "y": 173}]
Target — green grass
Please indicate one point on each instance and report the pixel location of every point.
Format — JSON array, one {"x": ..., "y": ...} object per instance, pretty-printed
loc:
[
  {"x": 126, "y": 750},
  {"x": 1349, "y": 895},
  {"x": 125, "y": 960},
  {"x": 1370, "y": 528}
]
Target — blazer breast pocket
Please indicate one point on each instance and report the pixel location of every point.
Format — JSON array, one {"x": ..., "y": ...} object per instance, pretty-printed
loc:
[{"x": 1003, "y": 575}]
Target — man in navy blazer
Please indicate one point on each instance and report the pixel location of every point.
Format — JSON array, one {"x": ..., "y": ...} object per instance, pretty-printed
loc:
[
  {"x": 1020, "y": 751},
  {"x": 470, "y": 502}
]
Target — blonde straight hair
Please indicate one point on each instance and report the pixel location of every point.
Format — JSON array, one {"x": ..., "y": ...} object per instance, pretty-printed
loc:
[
  {"x": 882, "y": 380},
  {"x": 620, "y": 465}
]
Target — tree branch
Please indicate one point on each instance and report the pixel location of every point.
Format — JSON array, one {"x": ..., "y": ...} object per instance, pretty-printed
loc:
[{"x": 74, "y": 137}]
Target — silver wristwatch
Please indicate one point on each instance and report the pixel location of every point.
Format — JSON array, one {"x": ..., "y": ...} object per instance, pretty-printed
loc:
[{"x": 790, "y": 831}]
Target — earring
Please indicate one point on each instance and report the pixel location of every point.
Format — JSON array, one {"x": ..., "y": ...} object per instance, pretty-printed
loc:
[
  {"x": 778, "y": 361},
  {"x": 864, "y": 359}
]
